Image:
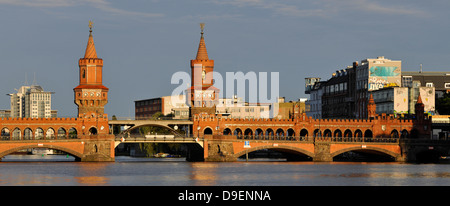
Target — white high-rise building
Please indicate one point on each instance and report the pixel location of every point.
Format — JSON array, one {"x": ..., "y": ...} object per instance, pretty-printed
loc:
[{"x": 32, "y": 101}]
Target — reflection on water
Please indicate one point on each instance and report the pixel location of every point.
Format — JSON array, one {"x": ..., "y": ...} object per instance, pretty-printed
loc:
[
  {"x": 92, "y": 181},
  {"x": 153, "y": 171},
  {"x": 203, "y": 173},
  {"x": 38, "y": 157}
]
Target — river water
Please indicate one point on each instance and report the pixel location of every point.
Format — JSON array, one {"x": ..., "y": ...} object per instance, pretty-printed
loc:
[{"x": 60, "y": 170}]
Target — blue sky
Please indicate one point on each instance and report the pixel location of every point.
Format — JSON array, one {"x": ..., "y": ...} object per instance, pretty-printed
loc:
[{"x": 143, "y": 42}]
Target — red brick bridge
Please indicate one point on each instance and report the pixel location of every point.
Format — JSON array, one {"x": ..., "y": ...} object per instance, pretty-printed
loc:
[
  {"x": 322, "y": 149},
  {"x": 83, "y": 138},
  {"x": 88, "y": 137},
  {"x": 320, "y": 139}
]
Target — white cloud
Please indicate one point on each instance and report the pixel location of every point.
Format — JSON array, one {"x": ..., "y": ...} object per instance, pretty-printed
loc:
[
  {"x": 278, "y": 7},
  {"x": 379, "y": 8},
  {"x": 39, "y": 3},
  {"x": 324, "y": 8},
  {"x": 106, "y": 6},
  {"x": 99, "y": 4}
]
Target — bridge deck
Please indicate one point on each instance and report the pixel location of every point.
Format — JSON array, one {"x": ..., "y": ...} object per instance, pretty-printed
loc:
[
  {"x": 156, "y": 139},
  {"x": 156, "y": 122}
]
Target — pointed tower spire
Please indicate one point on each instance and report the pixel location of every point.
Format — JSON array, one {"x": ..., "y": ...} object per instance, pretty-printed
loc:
[
  {"x": 90, "y": 48},
  {"x": 202, "y": 54},
  {"x": 419, "y": 99},
  {"x": 419, "y": 108}
]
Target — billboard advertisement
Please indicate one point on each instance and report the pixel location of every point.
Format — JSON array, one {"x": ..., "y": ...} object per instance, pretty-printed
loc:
[
  {"x": 427, "y": 94},
  {"x": 384, "y": 76}
]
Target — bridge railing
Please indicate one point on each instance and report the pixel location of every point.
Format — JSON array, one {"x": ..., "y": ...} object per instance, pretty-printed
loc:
[
  {"x": 426, "y": 141},
  {"x": 269, "y": 137},
  {"x": 155, "y": 138},
  {"x": 364, "y": 139},
  {"x": 52, "y": 137},
  {"x": 149, "y": 118},
  {"x": 305, "y": 138}
]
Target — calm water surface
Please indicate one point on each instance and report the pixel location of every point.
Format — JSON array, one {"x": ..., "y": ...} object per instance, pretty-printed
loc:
[{"x": 128, "y": 171}]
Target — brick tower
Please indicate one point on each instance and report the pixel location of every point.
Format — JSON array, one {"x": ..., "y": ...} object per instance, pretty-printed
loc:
[
  {"x": 419, "y": 109},
  {"x": 202, "y": 95},
  {"x": 371, "y": 107},
  {"x": 90, "y": 95}
]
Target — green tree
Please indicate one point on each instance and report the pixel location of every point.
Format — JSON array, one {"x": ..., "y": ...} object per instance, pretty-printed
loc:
[
  {"x": 443, "y": 104},
  {"x": 157, "y": 115},
  {"x": 149, "y": 148}
]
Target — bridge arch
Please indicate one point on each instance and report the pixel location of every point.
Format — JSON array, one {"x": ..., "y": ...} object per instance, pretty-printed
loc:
[
  {"x": 248, "y": 132},
  {"x": 27, "y": 134},
  {"x": 50, "y": 133},
  {"x": 394, "y": 134},
  {"x": 358, "y": 133},
  {"x": 227, "y": 131},
  {"x": 151, "y": 125},
  {"x": 269, "y": 132},
  {"x": 17, "y": 134},
  {"x": 327, "y": 133},
  {"x": 427, "y": 155},
  {"x": 279, "y": 132},
  {"x": 280, "y": 148},
  {"x": 368, "y": 133},
  {"x": 368, "y": 149},
  {"x": 337, "y": 133},
  {"x": 303, "y": 133},
  {"x": 62, "y": 132},
  {"x": 404, "y": 134},
  {"x": 348, "y": 133},
  {"x": 76, "y": 154},
  {"x": 5, "y": 133},
  {"x": 208, "y": 131},
  {"x": 317, "y": 133},
  {"x": 259, "y": 132},
  {"x": 73, "y": 133},
  {"x": 39, "y": 133},
  {"x": 290, "y": 132},
  {"x": 237, "y": 131},
  {"x": 93, "y": 131}
]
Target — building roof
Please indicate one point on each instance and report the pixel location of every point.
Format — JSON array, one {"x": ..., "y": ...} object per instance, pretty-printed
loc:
[
  {"x": 439, "y": 79},
  {"x": 90, "y": 86},
  {"x": 413, "y": 73},
  {"x": 202, "y": 54},
  {"x": 90, "y": 48}
]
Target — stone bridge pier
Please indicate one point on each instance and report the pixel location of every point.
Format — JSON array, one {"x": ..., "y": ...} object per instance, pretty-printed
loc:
[{"x": 98, "y": 148}]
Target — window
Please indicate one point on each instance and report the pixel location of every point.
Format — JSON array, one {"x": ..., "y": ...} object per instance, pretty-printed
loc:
[
  {"x": 407, "y": 81},
  {"x": 429, "y": 84}
]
